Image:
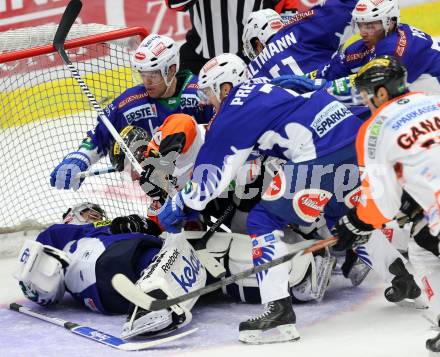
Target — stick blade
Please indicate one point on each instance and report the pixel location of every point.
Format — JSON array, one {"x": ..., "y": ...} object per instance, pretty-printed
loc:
[
  {"x": 131, "y": 292},
  {"x": 70, "y": 14},
  {"x": 138, "y": 346}
]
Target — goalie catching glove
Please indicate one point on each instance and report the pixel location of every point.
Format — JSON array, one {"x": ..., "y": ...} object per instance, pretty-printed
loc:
[
  {"x": 134, "y": 224},
  {"x": 351, "y": 231}
]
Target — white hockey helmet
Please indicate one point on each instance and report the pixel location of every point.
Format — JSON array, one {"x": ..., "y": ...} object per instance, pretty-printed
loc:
[
  {"x": 156, "y": 52},
  {"x": 262, "y": 24},
  {"x": 84, "y": 213},
  {"x": 225, "y": 68},
  {"x": 376, "y": 10},
  {"x": 40, "y": 272}
]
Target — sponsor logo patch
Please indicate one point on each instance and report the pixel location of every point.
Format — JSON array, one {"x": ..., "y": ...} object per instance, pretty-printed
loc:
[
  {"x": 353, "y": 197},
  {"x": 329, "y": 117},
  {"x": 158, "y": 49},
  {"x": 276, "y": 25},
  {"x": 90, "y": 304},
  {"x": 132, "y": 98},
  {"x": 257, "y": 253},
  {"x": 171, "y": 260},
  {"x": 276, "y": 188},
  {"x": 309, "y": 203},
  {"x": 361, "y": 7},
  {"x": 210, "y": 64},
  {"x": 141, "y": 112},
  {"x": 427, "y": 288},
  {"x": 140, "y": 56},
  {"x": 190, "y": 272},
  {"x": 388, "y": 233}
]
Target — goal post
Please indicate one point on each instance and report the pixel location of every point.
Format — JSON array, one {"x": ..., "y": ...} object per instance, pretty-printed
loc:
[{"x": 44, "y": 115}]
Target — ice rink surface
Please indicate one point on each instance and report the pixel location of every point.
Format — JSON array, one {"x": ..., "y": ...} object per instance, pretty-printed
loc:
[{"x": 349, "y": 322}]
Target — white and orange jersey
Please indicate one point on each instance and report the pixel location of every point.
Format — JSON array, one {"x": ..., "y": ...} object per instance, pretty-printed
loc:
[
  {"x": 184, "y": 129},
  {"x": 399, "y": 148}
]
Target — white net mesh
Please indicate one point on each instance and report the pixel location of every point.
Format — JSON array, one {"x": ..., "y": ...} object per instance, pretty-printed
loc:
[{"x": 44, "y": 116}]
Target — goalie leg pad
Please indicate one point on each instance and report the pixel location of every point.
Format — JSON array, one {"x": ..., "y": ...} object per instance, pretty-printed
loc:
[{"x": 176, "y": 270}]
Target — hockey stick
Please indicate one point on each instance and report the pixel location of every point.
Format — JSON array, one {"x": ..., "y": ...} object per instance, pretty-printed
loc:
[
  {"x": 105, "y": 170},
  {"x": 96, "y": 335},
  {"x": 211, "y": 264},
  {"x": 70, "y": 14},
  {"x": 131, "y": 292}
]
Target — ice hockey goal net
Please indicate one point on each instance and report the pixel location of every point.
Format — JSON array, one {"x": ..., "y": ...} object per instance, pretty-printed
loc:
[{"x": 44, "y": 115}]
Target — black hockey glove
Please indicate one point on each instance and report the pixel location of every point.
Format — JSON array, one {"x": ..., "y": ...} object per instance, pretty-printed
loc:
[
  {"x": 351, "y": 231},
  {"x": 134, "y": 224},
  {"x": 153, "y": 191},
  {"x": 410, "y": 211}
]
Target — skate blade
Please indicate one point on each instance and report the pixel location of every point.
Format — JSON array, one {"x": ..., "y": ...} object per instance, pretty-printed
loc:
[
  {"x": 412, "y": 304},
  {"x": 283, "y": 333}
]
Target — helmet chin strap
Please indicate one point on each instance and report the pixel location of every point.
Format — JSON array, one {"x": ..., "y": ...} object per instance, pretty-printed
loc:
[{"x": 168, "y": 84}]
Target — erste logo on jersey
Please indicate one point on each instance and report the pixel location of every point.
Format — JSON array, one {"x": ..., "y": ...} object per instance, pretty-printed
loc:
[
  {"x": 189, "y": 101},
  {"x": 276, "y": 188},
  {"x": 140, "y": 112},
  {"x": 329, "y": 117},
  {"x": 309, "y": 203}
]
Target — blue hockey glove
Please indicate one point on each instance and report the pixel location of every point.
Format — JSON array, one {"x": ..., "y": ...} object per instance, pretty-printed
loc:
[
  {"x": 172, "y": 214},
  {"x": 300, "y": 84},
  {"x": 63, "y": 176}
]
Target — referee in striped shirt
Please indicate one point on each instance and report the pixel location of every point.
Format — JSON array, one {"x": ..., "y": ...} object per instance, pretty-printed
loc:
[{"x": 217, "y": 27}]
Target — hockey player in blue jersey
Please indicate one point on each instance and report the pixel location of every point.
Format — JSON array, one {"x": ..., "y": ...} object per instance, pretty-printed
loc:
[
  {"x": 306, "y": 132},
  {"x": 378, "y": 23},
  {"x": 308, "y": 41},
  {"x": 164, "y": 90},
  {"x": 82, "y": 255}
]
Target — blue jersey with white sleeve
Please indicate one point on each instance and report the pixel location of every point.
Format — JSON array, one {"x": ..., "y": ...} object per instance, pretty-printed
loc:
[
  {"x": 135, "y": 107},
  {"x": 275, "y": 121},
  {"x": 309, "y": 40},
  {"x": 86, "y": 245},
  {"x": 418, "y": 51}
]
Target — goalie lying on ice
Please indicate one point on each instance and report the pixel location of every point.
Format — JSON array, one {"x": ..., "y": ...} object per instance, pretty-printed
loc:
[{"x": 82, "y": 255}]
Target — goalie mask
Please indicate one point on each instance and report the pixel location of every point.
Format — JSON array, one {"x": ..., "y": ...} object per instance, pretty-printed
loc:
[
  {"x": 137, "y": 140},
  {"x": 156, "y": 53},
  {"x": 84, "y": 213},
  {"x": 261, "y": 25}
]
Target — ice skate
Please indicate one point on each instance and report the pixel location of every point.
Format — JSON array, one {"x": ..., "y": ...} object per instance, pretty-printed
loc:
[{"x": 275, "y": 324}]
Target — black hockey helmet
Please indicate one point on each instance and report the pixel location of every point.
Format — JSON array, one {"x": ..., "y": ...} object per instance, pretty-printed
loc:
[
  {"x": 137, "y": 140},
  {"x": 383, "y": 71}
]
